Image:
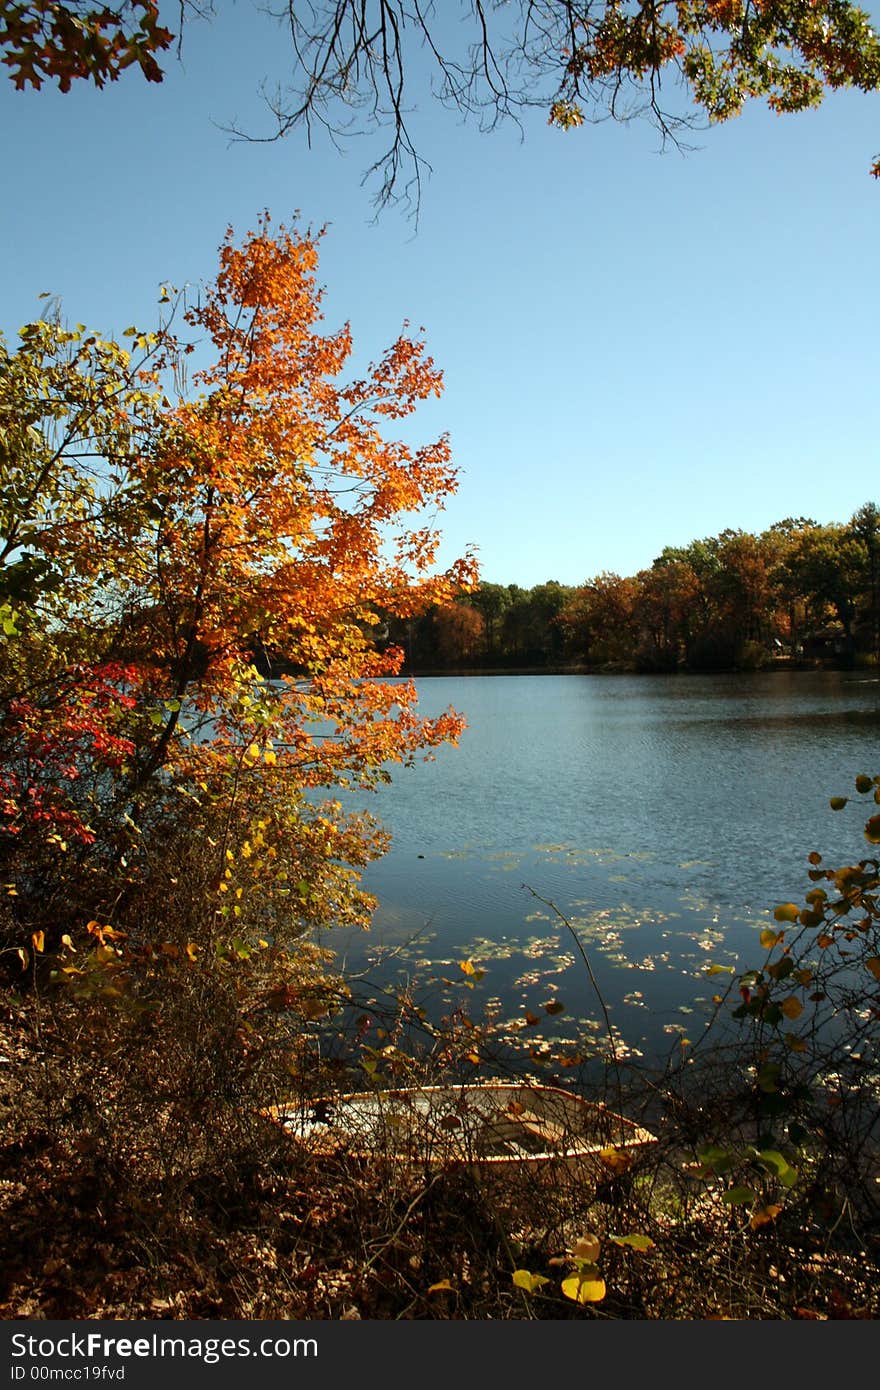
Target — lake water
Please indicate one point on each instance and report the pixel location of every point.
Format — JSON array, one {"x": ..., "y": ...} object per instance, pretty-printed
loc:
[{"x": 664, "y": 816}]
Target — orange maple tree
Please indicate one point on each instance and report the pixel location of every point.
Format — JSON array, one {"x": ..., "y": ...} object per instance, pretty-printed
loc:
[{"x": 168, "y": 551}]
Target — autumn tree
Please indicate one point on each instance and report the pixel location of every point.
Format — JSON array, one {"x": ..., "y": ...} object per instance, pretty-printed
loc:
[
  {"x": 172, "y": 828},
  {"x": 154, "y": 544},
  {"x": 600, "y": 620},
  {"x": 865, "y": 527},
  {"x": 64, "y": 42},
  {"x": 828, "y": 564},
  {"x": 492, "y": 601},
  {"x": 576, "y": 61},
  {"x": 459, "y": 634},
  {"x": 666, "y": 596}
]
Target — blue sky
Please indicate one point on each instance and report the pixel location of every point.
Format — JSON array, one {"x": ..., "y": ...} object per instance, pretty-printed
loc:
[{"x": 639, "y": 348}]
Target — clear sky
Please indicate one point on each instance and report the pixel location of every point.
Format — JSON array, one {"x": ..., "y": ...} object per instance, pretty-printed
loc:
[{"x": 639, "y": 348}]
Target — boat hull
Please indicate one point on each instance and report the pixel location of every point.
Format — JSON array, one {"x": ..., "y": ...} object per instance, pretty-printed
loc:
[{"x": 491, "y": 1125}]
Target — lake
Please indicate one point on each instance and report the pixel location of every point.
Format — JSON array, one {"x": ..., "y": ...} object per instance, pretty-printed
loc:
[{"x": 664, "y": 816}]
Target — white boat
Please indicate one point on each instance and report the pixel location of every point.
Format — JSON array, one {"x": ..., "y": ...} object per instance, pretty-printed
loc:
[{"x": 485, "y": 1124}]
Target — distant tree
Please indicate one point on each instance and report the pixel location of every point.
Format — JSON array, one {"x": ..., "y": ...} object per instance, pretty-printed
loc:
[
  {"x": 666, "y": 593},
  {"x": 745, "y": 590},
  {"x": 865, "y": 527},
  {"x": 600, "y": 620},
  {"x": 530, "y": 632},
  {"x": 492, "y": 600},
  {"x": 459, "y": 634},
  {"x": 829, "y": 565}
]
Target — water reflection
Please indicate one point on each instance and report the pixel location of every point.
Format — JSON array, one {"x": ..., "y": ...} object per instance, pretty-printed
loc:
[{"x": 663, "y": 816}]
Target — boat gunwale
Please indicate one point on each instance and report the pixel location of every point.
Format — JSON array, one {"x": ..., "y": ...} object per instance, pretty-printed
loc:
[{"x": 353, "y": 1145}]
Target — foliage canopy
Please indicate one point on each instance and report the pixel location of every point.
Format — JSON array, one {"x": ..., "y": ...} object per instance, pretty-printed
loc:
[
  {"x": 577, "y": 60},
  {"x": 160, "y": 551}
]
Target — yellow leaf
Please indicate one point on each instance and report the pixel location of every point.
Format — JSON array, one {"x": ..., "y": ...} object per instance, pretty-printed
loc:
[
  {"x": 791, "y": 1007},
  {"x": 191, "y": 950},
  {"x": 524, "y": 1279},
  {"x": 270, "y": 757},
  {"x": 38, "y": 940},
  {"x": 769, "y": 938},
  {"x": 443, "y": 1286},
  {"x": 764, "y": 1215},
  {"x": 66, "y": 941},
  {"x": 23, "y": 957},
  {"x": 786, "y": 912},
  {"x": 581, "y": 1290},
  {"x": 618, "y": 1160}
]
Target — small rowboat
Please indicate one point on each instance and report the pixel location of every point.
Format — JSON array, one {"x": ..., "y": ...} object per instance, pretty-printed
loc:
[{"x": 487, "y": 1124}]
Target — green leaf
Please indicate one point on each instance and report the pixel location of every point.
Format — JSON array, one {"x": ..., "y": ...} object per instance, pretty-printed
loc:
[
  {"x": 719, "y": 969},
  {"x": 768, "y": 1077},
  {"x": 635, "y": 1241},
  {"x": 738, "y": 1196},
  {"x": 717, "y": 1160},
  {"x": 777, "y": 1163}
]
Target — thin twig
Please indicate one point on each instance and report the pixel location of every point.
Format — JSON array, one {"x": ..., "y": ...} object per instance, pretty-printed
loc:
[{"x": 548, "y": 902}]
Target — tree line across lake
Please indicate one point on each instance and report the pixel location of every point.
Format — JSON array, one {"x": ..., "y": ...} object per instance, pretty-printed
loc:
[{"x": 801, "y": 590}]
